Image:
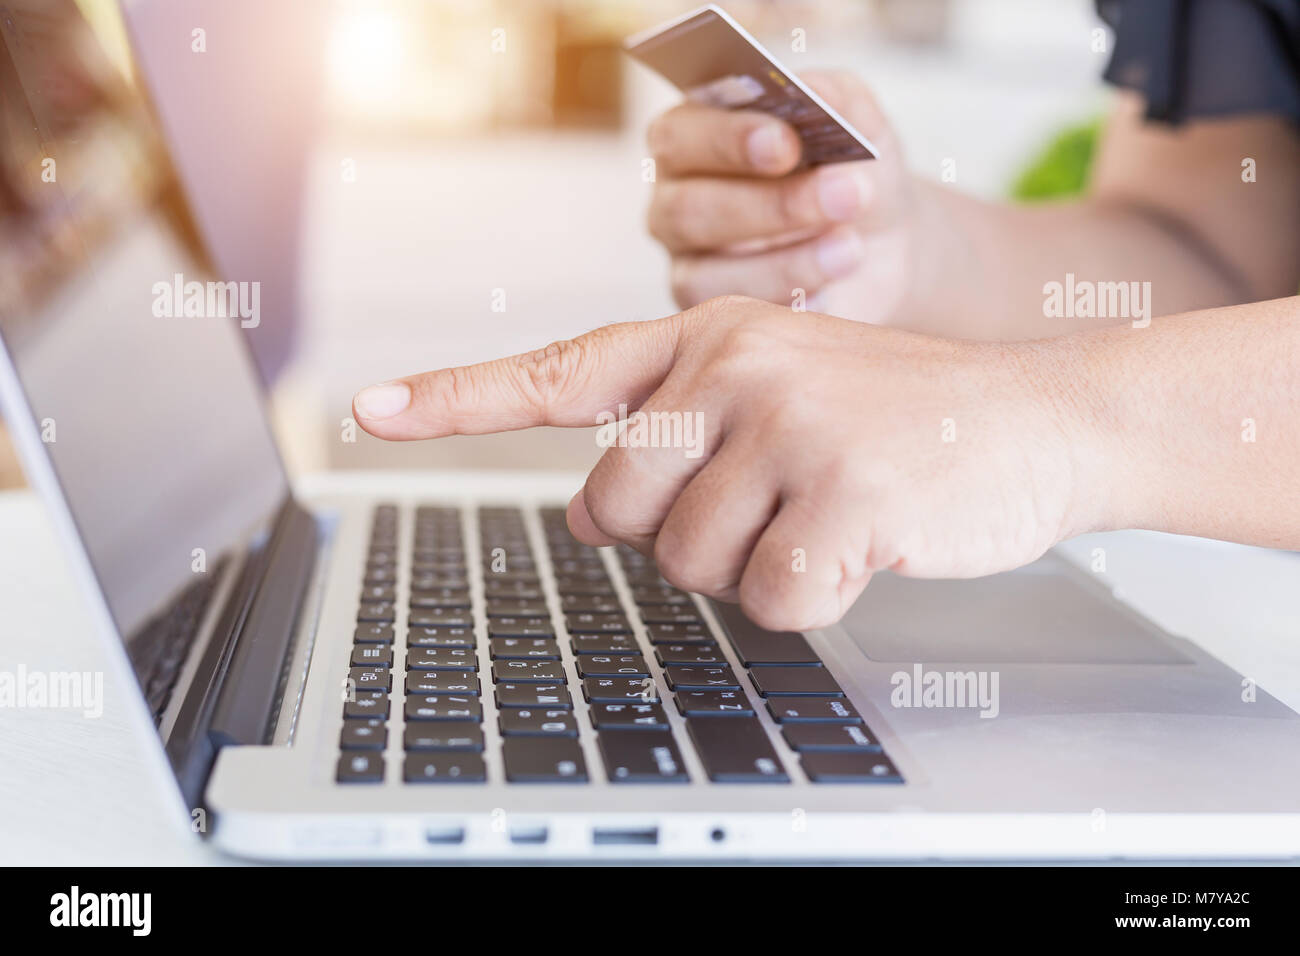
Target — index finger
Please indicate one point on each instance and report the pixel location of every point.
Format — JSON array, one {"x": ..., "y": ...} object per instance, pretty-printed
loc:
[
  {"x": 567, "y": 383},
  {"x": 690, "y": 139}
]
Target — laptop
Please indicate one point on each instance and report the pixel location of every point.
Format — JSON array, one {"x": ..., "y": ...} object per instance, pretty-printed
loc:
[{"x": 436, "y": 670}]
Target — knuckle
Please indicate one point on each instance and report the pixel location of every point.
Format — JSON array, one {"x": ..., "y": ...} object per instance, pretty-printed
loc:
[{"x": 548, "y": 373}]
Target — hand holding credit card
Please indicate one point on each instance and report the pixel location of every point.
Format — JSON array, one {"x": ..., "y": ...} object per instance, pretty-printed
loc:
[{"x": 715, "y": 62}]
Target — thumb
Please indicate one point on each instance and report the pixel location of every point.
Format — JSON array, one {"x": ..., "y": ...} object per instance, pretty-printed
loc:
[
  {"x": 853, "y": 100},
  {"x": 567, "y": 383}
]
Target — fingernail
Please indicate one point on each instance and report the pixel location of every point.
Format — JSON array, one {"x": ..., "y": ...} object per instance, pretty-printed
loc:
[
  {"x": 382, "y": 401},
  {"x": 766, "y": 147},
  {"x": 842, "y": 193},
  {"x": 838, "y": 255}
]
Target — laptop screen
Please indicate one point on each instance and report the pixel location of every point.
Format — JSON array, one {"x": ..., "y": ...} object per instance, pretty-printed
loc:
[{"x": 131, "y": 359}]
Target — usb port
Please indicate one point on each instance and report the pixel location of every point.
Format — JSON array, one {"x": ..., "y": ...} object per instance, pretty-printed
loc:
[{"x": 625, "y": 837}]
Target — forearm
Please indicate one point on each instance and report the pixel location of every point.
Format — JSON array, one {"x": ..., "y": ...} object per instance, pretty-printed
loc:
[
  {"x": 1189, "y": 426},
  {"x": 997, "y": 262}
]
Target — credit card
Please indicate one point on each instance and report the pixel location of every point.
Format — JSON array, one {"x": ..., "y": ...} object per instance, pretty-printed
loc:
[{"x": 714, "y": 61}]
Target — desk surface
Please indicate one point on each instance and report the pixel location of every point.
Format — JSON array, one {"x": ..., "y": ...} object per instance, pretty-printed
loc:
[{"x": 75, "y": 791}]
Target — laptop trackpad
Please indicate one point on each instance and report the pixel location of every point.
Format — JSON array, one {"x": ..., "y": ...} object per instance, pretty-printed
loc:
[{"x": 1039, "y": 614}]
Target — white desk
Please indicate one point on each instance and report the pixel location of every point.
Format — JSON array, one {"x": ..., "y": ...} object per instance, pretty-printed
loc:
[{"x": 73, "y": 791}]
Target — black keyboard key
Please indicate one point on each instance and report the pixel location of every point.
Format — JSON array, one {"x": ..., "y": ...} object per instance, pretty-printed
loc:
[
  {"x": 669, "y": 655},
  {"x": 369, "y": 734},
  {"x": 443, "y": 707},
  {"x": 758, "y": 647},
  {"x": 512, "y": 589},
  {"x": 649, "y": 757},
  {"x": 444, "y": 767},
  {"x": 373, "y": 634},
  {"x": 597, "y": 624},
  {"x": 616, "y": 689},
  {"x": 378, "y": 613},
  {"x": 661, "y": 595},
  {"x": 551, "y": 696},
  {"x": 523, "y": 649},
  {"x": 520, "y": 627},
  {"x": 370, "y": 678},
  {"x": 439, "y": 617},
  {"x": 528, "y": 672},
  {"x": 628, "y": 716},
  {"x": 367, "y": 707},
  {"x": 379, "y": 574},
  {"x": 444, "y": 735},
  {"x": 378, "y": 594},
  {"x": 441, "y": 659},
  {"x": 847, "y": 737},
  {"x": 735, "y": 751},
  {"x": 702, "y": 678},
  {"x": 372, "y": 655},
  {"x": 669, "y": 614},
  {"x": 577, "y": 587},
  {"x": 812, "y": 710},
  {"x": 528, "y": 722},
  {"x": 713, "y": 703},
  {"x": 590, "y": 604},
  {"x": 460, "y": 683},
  {"x": 543, "y": 760},
  {"x": 604, "y": 644},
  {"x": 795, "y": 682},
  {"x": 822, "y": 767},
  {"x": 440, "y": 637},
  {"x": 448, "y": 599},
  {"x": 611, "y": 665},
  {"x": 679, "y": 634},
  {"x": 501, "y": 607},
  {"x": 360, "y": 766}
]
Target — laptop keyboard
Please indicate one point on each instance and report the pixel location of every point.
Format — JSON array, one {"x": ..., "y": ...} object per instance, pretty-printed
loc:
[{"x": 534, "y": 660}]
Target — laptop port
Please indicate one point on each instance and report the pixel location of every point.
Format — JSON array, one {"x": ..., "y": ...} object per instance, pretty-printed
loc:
[
  {"x": 625, "y": 837},
  {"x": 444, "y": 836},
  {"x": 529, "y": 835}
]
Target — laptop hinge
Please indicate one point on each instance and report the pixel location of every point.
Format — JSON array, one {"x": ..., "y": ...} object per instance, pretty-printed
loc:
[{"x": 236, "y": 700}]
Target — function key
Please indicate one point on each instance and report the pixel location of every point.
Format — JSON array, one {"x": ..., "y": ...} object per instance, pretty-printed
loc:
[
  {"x": 440, "y": 637},
  {"x": 668, "y": 614},
  {"x": 504, "y": 607},
  {"x": 705, "y": 654},
  {"x": 520, "y": 627},
  {"x": 603, "y": 644},
  {"x": 441, "y": 659},
  {"x": 597, "y": 624},
  {"x": 378, "y": 594},
  {"x": 679, "y": 634},
  {"x": 367, "y": 707},
  {"x": 590, "y": 604},
  {"x": 372, "y": 655},
  {"x": 370, "y": 678}
]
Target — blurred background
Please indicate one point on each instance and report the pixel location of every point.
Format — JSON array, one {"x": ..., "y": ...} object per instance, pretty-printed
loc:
[{"x": 424, "y": 183}]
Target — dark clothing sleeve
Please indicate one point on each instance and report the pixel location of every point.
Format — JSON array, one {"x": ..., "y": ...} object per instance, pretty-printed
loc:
[{"x": 1207, "y": 58}]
